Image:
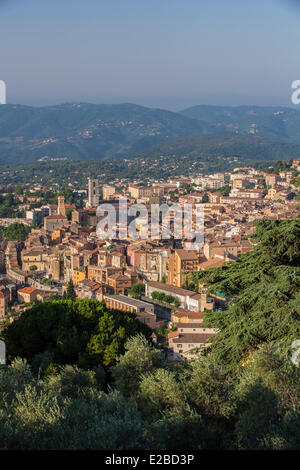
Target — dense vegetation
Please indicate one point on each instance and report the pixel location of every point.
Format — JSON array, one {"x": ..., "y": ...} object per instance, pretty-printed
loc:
[
  {"x": 223, "y": 145},
  {"x": 150, "y": 406},
  {"x": 15, "y": 232},
  {"x": 144, "y": 168},
  {"x": 9, "y": 206},
  {"x": 82, "y": 131},
  {"x": 162, "y": 297},
  {"x": 72, "y": 331},
  {"x": 265, "y": 121},
  {"x": 264, "y": 287},
  {"x": 137, "y": 290}
]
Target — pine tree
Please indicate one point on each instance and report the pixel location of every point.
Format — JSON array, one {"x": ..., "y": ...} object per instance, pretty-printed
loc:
[{"x": 70, "y": 292}]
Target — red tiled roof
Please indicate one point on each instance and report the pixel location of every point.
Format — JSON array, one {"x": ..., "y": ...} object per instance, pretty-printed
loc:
[{"x": 26, "y": 290}]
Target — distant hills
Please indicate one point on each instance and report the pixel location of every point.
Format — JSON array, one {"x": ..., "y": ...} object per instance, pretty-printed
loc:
[
  {"x": 208, "y": 147},
  {"x": 275, "y": 123},
  {"x": 82, "y": 131},
  {"x": 87, "y": 131}
]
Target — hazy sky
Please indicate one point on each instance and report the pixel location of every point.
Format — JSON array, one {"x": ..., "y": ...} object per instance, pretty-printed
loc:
[{"x": 167, "y": 53}]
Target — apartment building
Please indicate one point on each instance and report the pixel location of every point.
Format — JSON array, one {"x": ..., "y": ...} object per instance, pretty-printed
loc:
[
  {"x": 193, "y": 301},
  {"x": 184, "y": 346},
  {"x": 180, "y": 263},
  {"x": 107, "y": 191},
  {"x": 27, "y": 294},
  {"x": 54, "y": 222},
  {"x": 143, "y": 310}
]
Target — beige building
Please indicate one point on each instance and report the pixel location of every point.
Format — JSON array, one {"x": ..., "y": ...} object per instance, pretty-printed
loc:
[
  {"x": 54, "y": 222},
  {"x": 34, "y": 259},
  {"x": 107, "y": 191},
  {"x": 27, "y": 294},
  {"x": 188, "y": 299},
  {"x": 180, "y": 263},
  {"x": 184, "y": 346},
  {"x": 271, "y": 180}
]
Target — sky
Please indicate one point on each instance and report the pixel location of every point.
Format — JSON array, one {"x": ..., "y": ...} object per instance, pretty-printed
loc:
[{"x": 160, "y": 53}]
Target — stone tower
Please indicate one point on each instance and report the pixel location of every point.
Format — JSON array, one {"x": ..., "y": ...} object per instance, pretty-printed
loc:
[
  {"x": 61, "y": 210},
  {"x": 93, "y": 192}
]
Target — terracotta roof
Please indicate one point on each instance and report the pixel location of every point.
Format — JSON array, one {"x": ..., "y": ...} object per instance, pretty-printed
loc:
[
  {"x": 189, "y": 314},
  {"x": 212, "y": 263},
  {"x": 53, "y": 217},
  {"x": 173, "y": 334},
  {"x": 26, "y": 290},
  {"x": 187, "y": 255},
  {"x": 193, "y": 338}
]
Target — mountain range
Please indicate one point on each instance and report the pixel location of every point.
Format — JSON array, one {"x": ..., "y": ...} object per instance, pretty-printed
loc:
[
  {"x": 83, "y": 131},
  {"x": 275, "y": 123}
]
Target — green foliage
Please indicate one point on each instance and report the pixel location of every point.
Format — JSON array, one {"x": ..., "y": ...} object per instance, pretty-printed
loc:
[
  {"x": 15, "y": 232},
  {"x": 162, "y": 297},
  {"x": 208, "y": 388},
  {"x": 19, "y": 191},
  {"x": 83, "y": 332},
  {"x": 225, "y": 190},
  {"x": 70, "y": 292},
  {"x": 65, "y": 413},
  {"x": 264, "y": 286},
  {"x": 193, "y": 406},
  {"x": 296, "y": 181},
  {"x": 161, "y": 394},
  {"x": 139, "y": 357},
  {"x": 137, "y": 290},
  {"x": 224, "y": 144},
  {"x": 69, "y": 214}
]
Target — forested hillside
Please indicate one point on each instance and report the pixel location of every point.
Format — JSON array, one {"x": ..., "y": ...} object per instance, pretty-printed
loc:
[
  {"x": 275, "y": 123},
  {"x": 210, "y": 148},
  {"x": 82, "y": 131}
]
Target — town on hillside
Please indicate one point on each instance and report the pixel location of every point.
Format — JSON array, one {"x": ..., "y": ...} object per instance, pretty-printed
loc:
[{"x": 50, "y": 245}]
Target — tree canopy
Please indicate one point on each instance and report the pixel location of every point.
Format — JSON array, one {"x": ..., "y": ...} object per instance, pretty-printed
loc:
[
  {"x": 80, "y": 331},
  {"x": 264, "y": 290},
  {"x": 15, "y": 232},
  {"x": 196, "y": 405}
]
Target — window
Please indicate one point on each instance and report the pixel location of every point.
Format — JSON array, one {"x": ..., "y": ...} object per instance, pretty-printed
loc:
[
  {"x": 179, "y": 346},
  {"x": 191, "y": 345}
]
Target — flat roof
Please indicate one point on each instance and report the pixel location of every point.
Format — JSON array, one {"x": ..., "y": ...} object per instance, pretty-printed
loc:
[
  {"x": 172, "y": 289},
  {"x": 127, "y": 300}
]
